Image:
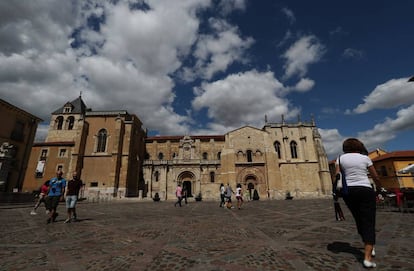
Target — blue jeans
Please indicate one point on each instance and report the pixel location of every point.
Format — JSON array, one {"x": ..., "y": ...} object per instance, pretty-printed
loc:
[{"x": 71, "y": 201}]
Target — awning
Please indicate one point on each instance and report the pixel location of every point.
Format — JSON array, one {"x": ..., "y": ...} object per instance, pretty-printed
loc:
[{"x": 409, "y": 169}]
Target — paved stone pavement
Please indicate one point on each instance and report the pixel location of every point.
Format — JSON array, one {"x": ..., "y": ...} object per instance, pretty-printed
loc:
[{"x": 144, "y": 235}]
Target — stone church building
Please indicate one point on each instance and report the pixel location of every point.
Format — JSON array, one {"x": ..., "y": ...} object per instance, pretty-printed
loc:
[{"x": 115, "y": 157}]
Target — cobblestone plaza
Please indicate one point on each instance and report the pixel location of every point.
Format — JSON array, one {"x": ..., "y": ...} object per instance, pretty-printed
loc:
[{"x": 144, "y": 235}]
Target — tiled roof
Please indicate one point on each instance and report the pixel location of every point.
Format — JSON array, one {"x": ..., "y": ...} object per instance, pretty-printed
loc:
[
  {"x": 79, "y": 107},
  {"x": 395, "y": 154}
]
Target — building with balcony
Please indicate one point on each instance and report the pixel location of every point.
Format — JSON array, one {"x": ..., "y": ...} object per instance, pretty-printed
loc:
[{"x": 17, "y": 133}]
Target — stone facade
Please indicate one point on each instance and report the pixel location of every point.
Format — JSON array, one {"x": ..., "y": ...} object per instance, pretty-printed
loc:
[
  {"x": 275, "y": 160},
  {"x": 17, "y": 133},
  {"x": 115, "y": 158},
  {"x": 105, "y": 148}
]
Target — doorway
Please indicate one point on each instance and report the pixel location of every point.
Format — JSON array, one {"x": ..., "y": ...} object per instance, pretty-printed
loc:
[{"x": 187, "y": 187}]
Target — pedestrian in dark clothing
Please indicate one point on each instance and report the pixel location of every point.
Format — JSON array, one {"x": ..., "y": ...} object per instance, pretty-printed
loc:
[{"x": 72, "y": 192}]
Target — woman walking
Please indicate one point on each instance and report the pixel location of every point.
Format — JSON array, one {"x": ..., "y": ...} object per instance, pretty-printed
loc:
[{"x": 358, "y": 193}]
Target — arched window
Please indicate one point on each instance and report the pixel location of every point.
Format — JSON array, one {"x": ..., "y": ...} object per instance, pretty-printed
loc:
[
  {"x": 59, "y": 121},
  {"x": 277, "y": 149},
  {"x": 219, "y": 156},
  {"x": 293, "y": 149},
  {"x": 157, "y": 176},
  {"x": 102, "y": 137},
  {"x": 146, "y": 156},
  {"x": 212, "y": 176},
  {"x": 249, "y": 156},
  {"x": 71, "y": 122},
  {"x": 205, "y": 156},
  {"x": 160, "y": 156}
]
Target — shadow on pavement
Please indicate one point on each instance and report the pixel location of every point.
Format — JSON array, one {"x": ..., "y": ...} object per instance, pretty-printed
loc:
[{"x": 338, "y": 247}]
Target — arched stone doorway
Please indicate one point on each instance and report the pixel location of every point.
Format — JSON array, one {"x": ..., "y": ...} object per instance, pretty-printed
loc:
[
  {"x": 250, "y": 182},
  {"x": 187, "y": 179},
  {"x": 187, "y": 186},
  {"x": 253, "y": 178}
]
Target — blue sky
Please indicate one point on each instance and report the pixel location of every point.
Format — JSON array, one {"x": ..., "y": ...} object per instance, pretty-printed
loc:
[{"x": 208, "y": 67}]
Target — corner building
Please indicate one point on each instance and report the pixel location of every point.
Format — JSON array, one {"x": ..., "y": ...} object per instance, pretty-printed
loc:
[
  {"x": 17, "y": 133},
  {"x": 115, "y": 158},
  {"x": 105, "y": 148}
]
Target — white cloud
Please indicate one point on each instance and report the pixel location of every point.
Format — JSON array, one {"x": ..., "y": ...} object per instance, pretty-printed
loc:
[
  {"x": 228, "y": 6},
  {"x": 244, "y": 98},
  {"x": 332, "y": 142},
  {"x": 353, "y": 53},
  {"x": 124, "y": 61},
  {"x": 389, "y": 129},
  {"x": 304, "y": 52},
  {"x": 391, "y": 94},
  {"x": 373, "y": 138},
  {"x": 289, "y": 14},
  {"x": 41, "y": 25},
  {"x": 304, "y": 84},
  {"x": 38, "y": 82},
  {"x": 215, "y": 52}
]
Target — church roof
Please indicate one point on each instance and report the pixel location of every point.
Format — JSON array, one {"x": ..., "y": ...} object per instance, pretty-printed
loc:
[
  {"x": 408, "y": 154},
  {"x": 77, "y": 105}
]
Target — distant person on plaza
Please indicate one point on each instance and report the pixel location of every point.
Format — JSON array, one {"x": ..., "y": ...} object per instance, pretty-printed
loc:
[
  {"x": 179, "y": 195},
  {"x": 185, "y": 194},
  {"x": 55, "y": 194},
  {"x": 72, "y": 192},
  {"x": 222, "y": 195},
  {"x": 239, "y": 196},
  {"x": 358, "y": 193},
  {"x": 229, "y": 193},
  {"x": 42, "y": 197}
]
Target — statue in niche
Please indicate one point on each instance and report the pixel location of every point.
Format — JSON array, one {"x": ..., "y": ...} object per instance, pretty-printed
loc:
[
  {"x": 6, "y": 150},
  {"x": 186, "y": 145}
]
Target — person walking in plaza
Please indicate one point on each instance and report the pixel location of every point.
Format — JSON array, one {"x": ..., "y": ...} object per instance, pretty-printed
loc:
[
  {"x": 222, "y": 195},
  {"x": 358, "y": 194},
  {"x": 42, "y": 197},
  {"x": 55, "y": 194},
  {"x": 179, "y": 195},
  {"x": 239, "y": 196},
  {"x": 229, "y": 193},
  {"x": 72, "y": 192},
  {"x": 185, "y": 194}
]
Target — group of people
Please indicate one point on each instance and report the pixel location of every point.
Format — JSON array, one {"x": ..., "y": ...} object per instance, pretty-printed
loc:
[
  {"x": 56, "y": 190},
  {"x": 226, "y": 194}
]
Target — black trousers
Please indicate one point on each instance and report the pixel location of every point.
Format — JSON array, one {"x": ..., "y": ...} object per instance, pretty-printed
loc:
[{"x": 361, "y": 202}]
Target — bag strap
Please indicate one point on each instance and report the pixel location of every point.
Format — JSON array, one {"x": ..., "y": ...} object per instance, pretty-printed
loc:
[{"x": 344, "y": 184}]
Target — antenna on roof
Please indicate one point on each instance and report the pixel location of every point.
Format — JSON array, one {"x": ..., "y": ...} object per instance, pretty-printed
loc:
[{"x": 80, "y": 93}]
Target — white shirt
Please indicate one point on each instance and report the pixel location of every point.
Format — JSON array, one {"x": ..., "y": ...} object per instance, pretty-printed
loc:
[
  {"x": 355, "y": 166},
  {"x": 238, "y": 191}
]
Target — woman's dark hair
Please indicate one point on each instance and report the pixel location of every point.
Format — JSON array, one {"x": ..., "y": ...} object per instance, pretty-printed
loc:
[{"x": 354, "y": 145}]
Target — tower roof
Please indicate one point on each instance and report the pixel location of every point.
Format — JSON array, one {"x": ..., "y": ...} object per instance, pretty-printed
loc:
[{"x": 77, "y": 107}]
